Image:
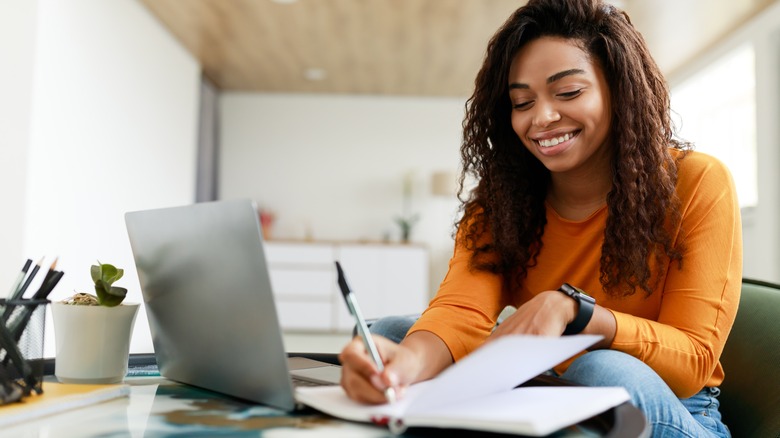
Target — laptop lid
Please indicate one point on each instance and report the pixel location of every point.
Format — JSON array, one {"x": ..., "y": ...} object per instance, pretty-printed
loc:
[{"x": 208, "y": 299}]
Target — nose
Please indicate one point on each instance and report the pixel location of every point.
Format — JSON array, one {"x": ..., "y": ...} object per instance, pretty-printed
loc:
[{"x": 545, "y": 114}]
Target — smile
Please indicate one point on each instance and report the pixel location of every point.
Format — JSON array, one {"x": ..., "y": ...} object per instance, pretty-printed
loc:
[{"x": 550, "y": 142}]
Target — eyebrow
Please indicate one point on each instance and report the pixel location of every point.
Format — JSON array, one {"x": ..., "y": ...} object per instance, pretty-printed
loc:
[{"x": 556, "y": 77}]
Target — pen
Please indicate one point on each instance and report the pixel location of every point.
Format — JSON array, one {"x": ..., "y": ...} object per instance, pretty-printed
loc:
[{"x": 362, "y": 328}]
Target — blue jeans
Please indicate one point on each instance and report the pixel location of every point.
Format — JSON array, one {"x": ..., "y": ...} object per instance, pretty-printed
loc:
[{"x": 669, "y": 416}]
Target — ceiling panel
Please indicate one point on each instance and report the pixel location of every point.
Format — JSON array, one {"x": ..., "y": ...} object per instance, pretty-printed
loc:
[{"x": 396, "y": 47}]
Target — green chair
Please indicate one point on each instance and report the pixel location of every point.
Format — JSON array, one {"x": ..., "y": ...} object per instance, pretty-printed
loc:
[{"x": 750, "y": 394}]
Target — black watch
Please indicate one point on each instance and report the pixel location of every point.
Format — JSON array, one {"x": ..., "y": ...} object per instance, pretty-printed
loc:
[{"x": 585, "y": 312}]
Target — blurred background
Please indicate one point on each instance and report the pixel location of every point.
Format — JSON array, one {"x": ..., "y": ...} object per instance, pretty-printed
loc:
[{"x": 338, "y": 117}]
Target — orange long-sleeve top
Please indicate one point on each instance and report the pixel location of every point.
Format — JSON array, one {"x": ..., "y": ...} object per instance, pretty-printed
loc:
[{"x": 679, "y": 330}]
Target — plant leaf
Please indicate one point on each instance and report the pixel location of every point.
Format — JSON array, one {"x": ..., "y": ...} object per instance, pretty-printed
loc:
[
  {"x": 117, "y": 291},
  {"x": 117, "y": 274},
  {"x": 104, "y": 274},
  {"x": 101, "y": 290},
  {"x": 107, "y": 273},
  {"x": 95, "y": 272},
  {"x": 115, "y": 296},
  {"x": 110, "y": 296}
]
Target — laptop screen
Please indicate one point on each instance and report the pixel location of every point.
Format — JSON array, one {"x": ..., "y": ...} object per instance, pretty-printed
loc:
[{"x": 208, "y": 299}]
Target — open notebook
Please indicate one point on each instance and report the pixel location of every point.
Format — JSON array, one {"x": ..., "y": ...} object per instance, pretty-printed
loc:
[{"x": 479, "y": 392}]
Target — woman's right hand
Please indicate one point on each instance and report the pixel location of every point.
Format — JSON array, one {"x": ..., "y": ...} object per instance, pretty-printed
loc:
[
  {"x": 420, "y": 356},
  {"x": 360, "y": 378}
]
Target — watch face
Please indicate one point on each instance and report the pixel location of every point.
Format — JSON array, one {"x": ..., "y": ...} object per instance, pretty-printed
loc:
[
  {"x": 576, "y": 293},
  {"x": 569, "y": 290}
]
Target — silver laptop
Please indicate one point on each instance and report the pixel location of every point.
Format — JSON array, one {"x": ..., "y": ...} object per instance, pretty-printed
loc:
[{"x": 208, "y": 298}]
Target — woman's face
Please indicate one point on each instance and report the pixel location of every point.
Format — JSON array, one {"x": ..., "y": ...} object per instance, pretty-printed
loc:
[{"x": 560, "y": 105}]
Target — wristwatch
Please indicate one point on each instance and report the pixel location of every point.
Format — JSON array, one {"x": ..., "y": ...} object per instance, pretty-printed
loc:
[{"x": 585, "y": 312}]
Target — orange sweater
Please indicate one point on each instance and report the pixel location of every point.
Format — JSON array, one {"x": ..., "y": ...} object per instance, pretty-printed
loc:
[{"x": 679, "y": 330}]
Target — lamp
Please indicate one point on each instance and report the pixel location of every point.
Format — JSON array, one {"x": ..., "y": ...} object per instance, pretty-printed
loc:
[{"x": 444, "y": 183}]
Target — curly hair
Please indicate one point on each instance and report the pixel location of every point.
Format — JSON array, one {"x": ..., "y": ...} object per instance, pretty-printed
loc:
[{"x": 508, "y": 202}]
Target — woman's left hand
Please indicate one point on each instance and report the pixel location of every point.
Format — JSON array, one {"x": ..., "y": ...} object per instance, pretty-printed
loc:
[{"x": 546, "y": 314}]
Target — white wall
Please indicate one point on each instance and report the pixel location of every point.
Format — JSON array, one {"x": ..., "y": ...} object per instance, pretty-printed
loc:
[
  {"x": 114, "y": 116},
  {"x": 761, "y": 225},
  {"x": 332, "y": 167},
  {"x": 17, "y": 46}
]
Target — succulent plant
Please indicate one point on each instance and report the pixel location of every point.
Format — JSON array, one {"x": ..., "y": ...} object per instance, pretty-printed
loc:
[{"x": 103, "y": 275}]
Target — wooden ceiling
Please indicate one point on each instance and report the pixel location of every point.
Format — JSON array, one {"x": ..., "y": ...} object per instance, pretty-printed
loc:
[{"x": 396, "y": 47}]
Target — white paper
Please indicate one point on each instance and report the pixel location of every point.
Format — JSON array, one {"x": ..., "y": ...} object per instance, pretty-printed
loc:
[
  {"x": 495, "y": 368},
  {"x": 499, "y": 366},
  {"x": 536, "y": 410}
]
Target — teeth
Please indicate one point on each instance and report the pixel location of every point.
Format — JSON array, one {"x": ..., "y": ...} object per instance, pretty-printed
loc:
[{"x": 554, "y": 141}]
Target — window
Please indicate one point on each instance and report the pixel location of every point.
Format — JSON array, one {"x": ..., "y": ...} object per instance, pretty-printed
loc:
[{"x": 716, "y": 110}]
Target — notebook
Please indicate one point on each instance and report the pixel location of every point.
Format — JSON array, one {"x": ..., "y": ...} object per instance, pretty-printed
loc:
[{"x": 208, "y": 299}]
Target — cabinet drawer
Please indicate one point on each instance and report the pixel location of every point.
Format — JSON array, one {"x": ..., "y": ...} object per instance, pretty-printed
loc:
[
  {"x": 305, "y": 315},
  {"x": 302, "y": 282},
  {"x": 299, "y": 254}
]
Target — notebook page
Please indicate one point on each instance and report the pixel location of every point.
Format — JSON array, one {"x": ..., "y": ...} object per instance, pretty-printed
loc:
[
  {"x": 334, "y": 401},
  {"x": 499, "y": 366},
  {"x": 535, "y": 411}
]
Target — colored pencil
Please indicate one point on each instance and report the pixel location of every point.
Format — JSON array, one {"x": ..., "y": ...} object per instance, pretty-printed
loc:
[
  {"x": 46, "y": 279},
  {"x": 19, "y": 279},
  {"x": 20, "y": 292},
  {"x": 48, "y": 286}
]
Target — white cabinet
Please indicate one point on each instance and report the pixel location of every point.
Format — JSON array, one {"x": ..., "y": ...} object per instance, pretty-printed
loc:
[{"x": 387, "y": 280}]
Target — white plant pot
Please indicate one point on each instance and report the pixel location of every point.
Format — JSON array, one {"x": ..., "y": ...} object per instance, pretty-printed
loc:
[{"x": 92, "y": 342}]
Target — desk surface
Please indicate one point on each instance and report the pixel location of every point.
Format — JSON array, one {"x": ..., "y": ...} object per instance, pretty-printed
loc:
[{"x": 159, "y": 407}]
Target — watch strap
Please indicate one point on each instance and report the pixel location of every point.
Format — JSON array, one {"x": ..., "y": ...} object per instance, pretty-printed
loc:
[{"x": 586, "y": 305}]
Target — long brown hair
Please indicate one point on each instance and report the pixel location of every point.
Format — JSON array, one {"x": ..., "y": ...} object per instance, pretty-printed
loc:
[{"x": 508, "y": 202}]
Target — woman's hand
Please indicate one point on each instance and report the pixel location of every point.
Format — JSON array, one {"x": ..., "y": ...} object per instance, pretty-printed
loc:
[
  {"x": 421, "y": 356},
  {"x": 360, "y": 378},
  {"x": 545, "y": 314},
  {"x": 548, "y": 314}
]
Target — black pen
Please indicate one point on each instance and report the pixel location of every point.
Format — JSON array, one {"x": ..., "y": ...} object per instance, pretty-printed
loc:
[{"x": 362, "y": 329}]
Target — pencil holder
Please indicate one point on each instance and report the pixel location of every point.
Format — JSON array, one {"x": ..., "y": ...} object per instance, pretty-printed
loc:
[{"x": 22, "y": 328}]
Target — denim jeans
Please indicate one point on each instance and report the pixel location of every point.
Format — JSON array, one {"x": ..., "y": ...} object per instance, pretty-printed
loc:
[{"x": 669, "y": 416}]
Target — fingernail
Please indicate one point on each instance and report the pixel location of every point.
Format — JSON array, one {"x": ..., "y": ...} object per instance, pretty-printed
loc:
[
  {"x": 377, "y": 382},
  {"x": 393, "y": 378}
]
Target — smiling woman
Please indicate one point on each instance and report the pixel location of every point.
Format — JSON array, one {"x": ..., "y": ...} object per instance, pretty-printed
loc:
[
  {"x": 561, "y": 113},
  {"x": 589, "y": 216}
]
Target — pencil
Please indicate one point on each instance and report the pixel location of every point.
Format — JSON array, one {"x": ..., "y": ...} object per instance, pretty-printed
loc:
[
  {"x": 46, "y": 288},
  {"x": 19, "y": 278},
  {"x": 17, "y": 325},
  {"x": 20, "y": 292},
  {"x": 49, "y": 274}
]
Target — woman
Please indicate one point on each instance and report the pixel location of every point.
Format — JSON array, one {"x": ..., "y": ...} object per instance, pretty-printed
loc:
[{"x": 580, "y": 181}]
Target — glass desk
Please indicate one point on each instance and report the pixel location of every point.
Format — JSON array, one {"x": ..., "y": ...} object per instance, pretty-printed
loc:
[{"x": 158, "y": 407}]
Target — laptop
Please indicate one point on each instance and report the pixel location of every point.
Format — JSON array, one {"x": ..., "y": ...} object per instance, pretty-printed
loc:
[{"x": 208, "y": 299}]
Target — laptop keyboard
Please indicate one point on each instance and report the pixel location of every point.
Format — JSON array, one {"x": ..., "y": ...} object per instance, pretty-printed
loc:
[{"x": 298, "y": 382}]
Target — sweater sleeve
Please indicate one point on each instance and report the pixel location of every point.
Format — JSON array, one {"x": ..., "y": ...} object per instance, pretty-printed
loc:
[
  {"x": 700, "y": 299},
  {"x": 466, "y": 307}
]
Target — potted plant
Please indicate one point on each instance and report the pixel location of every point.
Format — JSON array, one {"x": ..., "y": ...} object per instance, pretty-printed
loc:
[{"x": 92, "y": 332}]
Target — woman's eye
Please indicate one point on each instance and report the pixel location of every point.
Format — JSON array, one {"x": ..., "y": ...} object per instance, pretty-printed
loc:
[
  {"x": 522, "y": 105},
  {"x": 570, "y": 94}
]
